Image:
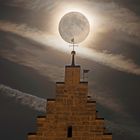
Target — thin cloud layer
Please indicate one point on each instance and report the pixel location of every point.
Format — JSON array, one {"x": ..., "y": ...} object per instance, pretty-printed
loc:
[
  {"x": 29, "y": 100},
  {"x": 34, "y": 4},
  {"x": 114, "y": 16},
  {"x": 106, "y": 100},
  {"x": 118, "y": 62},
  {"x": 110, "y": 14}
]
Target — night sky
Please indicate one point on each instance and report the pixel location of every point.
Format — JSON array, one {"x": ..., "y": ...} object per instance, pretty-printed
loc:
[{"x": 33, "y": 56}]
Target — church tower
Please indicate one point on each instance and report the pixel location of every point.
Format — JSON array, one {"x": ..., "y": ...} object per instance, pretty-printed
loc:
[{"x": 72, "y": 115}]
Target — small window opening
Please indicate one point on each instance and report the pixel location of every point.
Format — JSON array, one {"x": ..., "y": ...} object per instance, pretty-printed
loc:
[{"x": 69, "y": 132}]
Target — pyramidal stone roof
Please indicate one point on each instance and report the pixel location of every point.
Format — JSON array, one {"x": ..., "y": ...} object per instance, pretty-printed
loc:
[{"x": 72, "y": 114}]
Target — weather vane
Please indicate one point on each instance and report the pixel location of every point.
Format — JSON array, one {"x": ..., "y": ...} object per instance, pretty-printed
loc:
[
  {"x": 73, "y": 44},
  {"x": 73, "y": 51}
]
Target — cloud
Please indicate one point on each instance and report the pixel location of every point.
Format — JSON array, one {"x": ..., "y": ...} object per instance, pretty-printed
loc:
[
  {"x": 29, "y": 55},
  {"x": 34, "y": 4},
  {"x": 29, "y": 100},
  {"x": 110, "y": 14},
  {"x": 39, "y": 104},
  {"x": 107, "y": 100},
  {"x": 54, "y": 73},
  {"x": 114, "y": 16},
  {"x": 117, "y": 62}
]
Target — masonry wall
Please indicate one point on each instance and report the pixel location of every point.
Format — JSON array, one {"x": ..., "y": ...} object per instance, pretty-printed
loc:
[{"x": 71, "y": 116}]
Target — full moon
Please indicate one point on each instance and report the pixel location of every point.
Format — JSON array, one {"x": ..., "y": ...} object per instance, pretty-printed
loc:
[{"x": 74, "y": 25}]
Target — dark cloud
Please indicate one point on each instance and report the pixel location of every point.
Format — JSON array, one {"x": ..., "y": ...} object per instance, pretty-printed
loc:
[{"x": 131, "y": 4}]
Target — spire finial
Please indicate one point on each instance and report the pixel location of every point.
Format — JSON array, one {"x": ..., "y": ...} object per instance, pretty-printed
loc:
[{"x": 73, "y": 52}]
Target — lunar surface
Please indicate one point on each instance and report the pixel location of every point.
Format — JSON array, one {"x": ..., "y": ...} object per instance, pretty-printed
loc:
[{"x": 74, "y": 25}]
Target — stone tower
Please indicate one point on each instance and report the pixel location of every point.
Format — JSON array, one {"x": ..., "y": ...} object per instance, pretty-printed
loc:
[{"x": 72, "y": 115}]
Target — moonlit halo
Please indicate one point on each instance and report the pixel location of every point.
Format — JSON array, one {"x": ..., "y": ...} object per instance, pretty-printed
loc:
[
  {"x": 54, "y": 39},
  {"x": 61, "y": 11}
]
